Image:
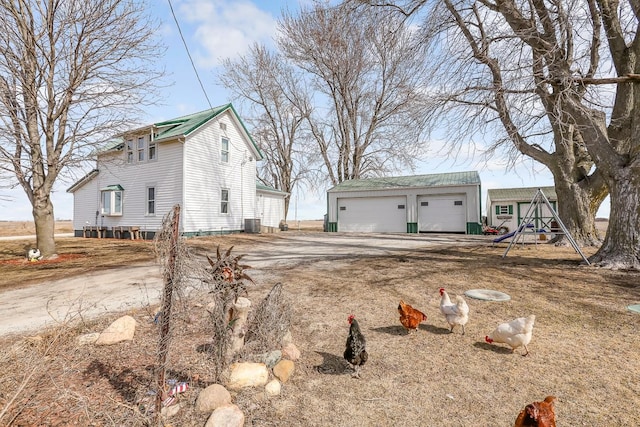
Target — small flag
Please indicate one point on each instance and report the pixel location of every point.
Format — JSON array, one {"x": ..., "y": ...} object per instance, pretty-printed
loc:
[
  {"x": 178, "y": 388},
  {"x": 169, "y": 401}
]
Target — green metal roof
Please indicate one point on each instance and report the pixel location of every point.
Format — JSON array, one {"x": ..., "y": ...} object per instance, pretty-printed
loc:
[
  {"x": 263, "y": 187},
  {"x": 184, "y": 125},
  {"x": 432, "y": 180},
  {"x": 522, "y": 194}
]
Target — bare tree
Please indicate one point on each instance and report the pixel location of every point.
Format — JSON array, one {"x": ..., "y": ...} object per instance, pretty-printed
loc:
[
  {"x": 368, "y": 69},
  {"x": 561, "y": 78},
  {"x": 279, "y": 108},
  {"x": 71, "y": 74}
]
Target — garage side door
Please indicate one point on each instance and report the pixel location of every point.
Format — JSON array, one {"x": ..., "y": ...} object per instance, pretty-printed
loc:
[
  {"x": 373, "y": 215},
  {"x": 445, "y": 214}
]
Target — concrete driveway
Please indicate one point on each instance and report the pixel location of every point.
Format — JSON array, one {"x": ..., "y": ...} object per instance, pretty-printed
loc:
[{"x": 34, "y": 307}]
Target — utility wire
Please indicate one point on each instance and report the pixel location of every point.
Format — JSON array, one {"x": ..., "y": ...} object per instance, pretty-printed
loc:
[{"x": 189, "y": 55}]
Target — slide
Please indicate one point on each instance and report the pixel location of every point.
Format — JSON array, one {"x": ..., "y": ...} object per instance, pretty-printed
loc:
[{"x": 504, "y": 236}]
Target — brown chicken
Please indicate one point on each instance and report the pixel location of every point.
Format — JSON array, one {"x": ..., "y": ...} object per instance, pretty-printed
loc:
[
  {"x": 538, "y": 414},
  {"x": 410, "y": 317}
]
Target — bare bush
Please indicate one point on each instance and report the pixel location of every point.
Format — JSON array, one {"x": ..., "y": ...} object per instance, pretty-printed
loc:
[{"x": 269, "y": 322}]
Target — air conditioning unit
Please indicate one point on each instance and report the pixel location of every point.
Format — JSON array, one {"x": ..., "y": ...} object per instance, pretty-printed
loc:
[{"x": 252, "y": 225}]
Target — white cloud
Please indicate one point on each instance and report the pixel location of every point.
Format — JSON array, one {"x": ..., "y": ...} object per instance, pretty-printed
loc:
[{"x": 224, "y": 29}]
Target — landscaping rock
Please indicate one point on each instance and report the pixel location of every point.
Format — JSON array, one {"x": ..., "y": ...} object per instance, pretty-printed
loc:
[
  {"x": 170, "y": 411},
  {"x": 271, "y": 358},
  {"x": 120, "y": 330},
  {"x": 273, "y": 388},
  {"x": 85, "y": 339},
  {"x": 283, "y": 370},
  {"x": 226, "y": 416},
  {"x": 248, "y": 375},
  {"x": 291, "y": 352},
  {"x": 212, "y": 398}
]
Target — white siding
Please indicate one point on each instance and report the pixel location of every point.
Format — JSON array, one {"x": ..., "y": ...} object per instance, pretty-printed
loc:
[
  {"x": 165, "y": 174},
  {"x": 86, "y": 201},
  {"x": 269, "y": 208},
  {"x": 206, "y": 175}
]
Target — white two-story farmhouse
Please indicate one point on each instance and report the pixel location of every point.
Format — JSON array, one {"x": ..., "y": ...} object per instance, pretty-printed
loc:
[{"x": 205, "y": 162}]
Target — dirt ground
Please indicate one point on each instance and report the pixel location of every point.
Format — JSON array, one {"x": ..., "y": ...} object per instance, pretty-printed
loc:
[{"x": 584, "y": 349}]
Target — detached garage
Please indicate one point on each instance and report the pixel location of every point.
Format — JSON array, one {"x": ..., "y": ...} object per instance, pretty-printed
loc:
[{"x": 436, "y": 203}]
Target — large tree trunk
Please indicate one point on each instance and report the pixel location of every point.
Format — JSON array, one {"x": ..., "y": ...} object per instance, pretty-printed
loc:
[
  {"x": 621, "y": 246},
  {"x": 578, "y": 203},
  {"x": 45, "y": 225}
]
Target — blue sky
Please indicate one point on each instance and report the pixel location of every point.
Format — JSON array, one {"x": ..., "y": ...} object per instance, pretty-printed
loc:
[{"x": 215, "y": 29}]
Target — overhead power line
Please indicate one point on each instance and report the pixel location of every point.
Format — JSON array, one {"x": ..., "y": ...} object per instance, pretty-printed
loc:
[{"x": 184, "y": 42}]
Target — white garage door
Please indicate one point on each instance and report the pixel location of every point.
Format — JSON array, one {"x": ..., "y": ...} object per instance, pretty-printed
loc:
[
  {"x": 377, "y": 214},
  {"x": 443, "y": 213}
]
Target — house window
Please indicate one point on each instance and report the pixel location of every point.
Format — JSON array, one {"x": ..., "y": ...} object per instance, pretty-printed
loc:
[
  {"x": 224, "y": 150},
  {"x": 224, "y": 201},
  {"x": 129, "y": 151},
  {"x": 151, "y": 200},
  {"x": 112, "y": 200},
  {"x": 504, "y": 209},
  {"x": 141, "y": 149},
  {"x": 223, "y": 127},
  {"x": 152, "y": 150}
]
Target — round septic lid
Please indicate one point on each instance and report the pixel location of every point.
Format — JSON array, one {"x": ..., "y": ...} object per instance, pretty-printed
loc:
[
  {"x": 487, "y": 295},
  {"x": 635, "y": 308}
]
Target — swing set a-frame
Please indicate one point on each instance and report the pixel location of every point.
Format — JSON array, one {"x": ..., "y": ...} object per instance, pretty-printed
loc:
[{"x": 529, "y": 219}]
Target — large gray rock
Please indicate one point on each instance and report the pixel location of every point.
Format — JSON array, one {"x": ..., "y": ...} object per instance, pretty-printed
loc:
[
  {"x": 121, "y": 329},
  {"x": 226, "y": 416},
  {"x": 248, "y": 375},
  {"x": 212, "y": 398}
]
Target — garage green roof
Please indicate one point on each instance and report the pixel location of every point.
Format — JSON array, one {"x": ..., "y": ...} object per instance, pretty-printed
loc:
[
  {"x": 523, "y": 193},
  {"x": 431, "y": 180}
]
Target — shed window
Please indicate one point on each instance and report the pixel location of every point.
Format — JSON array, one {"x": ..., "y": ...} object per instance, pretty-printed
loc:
[
  {"x": 504, "y": 209},
  {"x": 424, "y": 203},
  {"x": 400, "y": 206},
  {"x": 457, "y": 203},
  {"x": 343, "y": 208}
]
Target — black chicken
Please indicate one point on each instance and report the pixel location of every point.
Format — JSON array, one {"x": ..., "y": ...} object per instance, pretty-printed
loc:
[{"x": 355, "y": 353}]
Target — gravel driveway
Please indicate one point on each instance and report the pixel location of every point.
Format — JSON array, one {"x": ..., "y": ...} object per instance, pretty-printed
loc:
[{"x": 49, "y": 303}]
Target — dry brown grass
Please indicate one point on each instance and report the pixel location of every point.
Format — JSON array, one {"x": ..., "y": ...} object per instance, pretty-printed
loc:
[
  {"x": 26, "y": 228},
  {"x": 584, "y": 349},
  {"x": 76, "y": 256}
]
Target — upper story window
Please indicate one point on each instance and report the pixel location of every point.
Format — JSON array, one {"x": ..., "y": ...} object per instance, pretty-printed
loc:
[
  {"x": 153, "y": 151},
  {"x": 504, "y": 209},
  {"x": 111, "y": 200},
  {"x": 129, "y": 151},
  {"x": 141, "y": 149},
  {"x": 224, "y": 150},
  {"x": 224, "y": 201}
]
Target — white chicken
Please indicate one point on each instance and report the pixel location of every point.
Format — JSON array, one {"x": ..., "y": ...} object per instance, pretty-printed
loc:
[
  {"x": 516, "y": 333},
  {"x": 456, "y": 314}
]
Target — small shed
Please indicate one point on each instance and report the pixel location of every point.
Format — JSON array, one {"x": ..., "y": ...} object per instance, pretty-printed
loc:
[
  {"x": 436, "y": 203},
  {"x": 506, "y": 207}
]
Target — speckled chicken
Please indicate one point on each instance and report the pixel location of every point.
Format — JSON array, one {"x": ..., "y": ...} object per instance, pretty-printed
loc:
[{"x": 355, "y": 352}]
